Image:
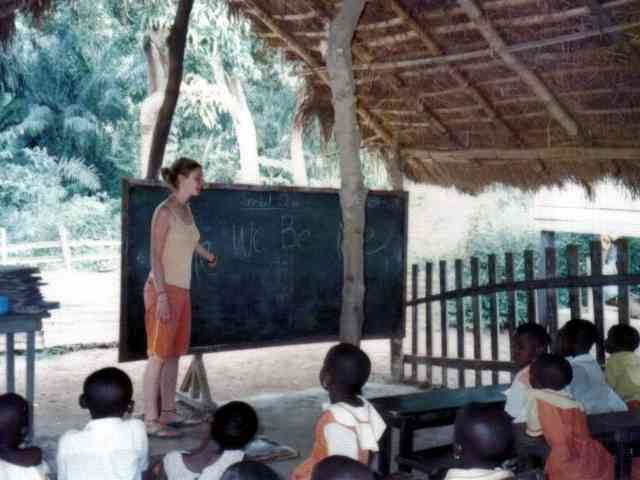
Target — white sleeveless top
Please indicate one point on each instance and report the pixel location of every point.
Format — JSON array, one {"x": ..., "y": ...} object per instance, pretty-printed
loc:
[
  {"x": 175, "y": 468},
  {"x": 9, "y": 471},
  {"x": 182, "y": 240}
]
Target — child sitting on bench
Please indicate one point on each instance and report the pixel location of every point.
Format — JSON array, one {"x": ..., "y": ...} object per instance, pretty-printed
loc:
[
  {"x": 529, "y": 341},
  {"x": 623, "y": 365},
  {"x": 17, "y": 463},
  {"x": 553, "y": 412},
  {"x": 350, "y": 426},
  {"x": 232, "y": 427},
  {"x": 589, "y": 387},
  {"x": 337, "y": 467},
  {"x": 483, "y": 441}
]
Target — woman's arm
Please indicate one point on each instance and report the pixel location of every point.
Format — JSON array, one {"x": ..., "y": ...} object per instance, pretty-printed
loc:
[
  {"x": 159, "y": 230},
  {"x": 206, "y": 254}
]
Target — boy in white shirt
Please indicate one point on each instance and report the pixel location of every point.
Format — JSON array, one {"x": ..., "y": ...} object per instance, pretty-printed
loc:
[
  {"x": 110, "y": 447},
  {"x": 529, "y": 341},
  {"x": 589, "y": 387}
]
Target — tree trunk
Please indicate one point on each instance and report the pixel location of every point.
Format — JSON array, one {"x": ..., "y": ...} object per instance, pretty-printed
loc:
[
  {"x": 352, "y": 192},
  {"x": 176, "y": 44},
  {"x": 235, "y": 102},
  {"x": 298, "y": 166},
  {"x": 158, "y": 68}
]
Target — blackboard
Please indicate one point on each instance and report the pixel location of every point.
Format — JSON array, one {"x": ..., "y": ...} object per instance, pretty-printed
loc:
[{"x": 279, "y": 274}]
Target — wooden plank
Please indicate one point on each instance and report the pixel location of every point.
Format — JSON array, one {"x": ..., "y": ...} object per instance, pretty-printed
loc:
[
  {"x": 468, "y": 363},
  {"x": 493, "y": 316},
  {"x": 622, "y": 247},
  {"x": 509, "y": 275},
  {"x": 595, "y": 250},
  {"x": 530, "y": 285},
  {"x": 414, "y": 320},
  {"x": 443, "y": 319},
  {"x": 460, "y": 321},
  {"x": 550, "y": 271},
  {"x": 529, "y": 275},
  {"x": 475, "y": 311},
  {"x": 429, "y": 332},
  {"x": 547, "y": 240},
  {"x": 572, "y": 270},
  {"x": 11, "y": 363},
  {"x": 31, "y": 369},
  {"x": 4, "y": 252},
  {"x": 64, "y": 244}
]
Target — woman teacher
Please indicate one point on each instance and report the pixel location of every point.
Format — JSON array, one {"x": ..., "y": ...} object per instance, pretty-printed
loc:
[{"x": 174, "y": 239}]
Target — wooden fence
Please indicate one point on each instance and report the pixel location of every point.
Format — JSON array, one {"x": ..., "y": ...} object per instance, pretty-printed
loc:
[
  {"x": 9, "y": 252},
  {"x": 428, "y": 310}
]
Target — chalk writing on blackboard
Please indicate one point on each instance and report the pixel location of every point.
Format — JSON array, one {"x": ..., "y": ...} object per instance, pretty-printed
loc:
[{"x": 246, "y": 240}]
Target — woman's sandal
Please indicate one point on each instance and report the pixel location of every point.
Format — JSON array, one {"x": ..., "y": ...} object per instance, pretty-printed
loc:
[
  {"x": 156, "y": 429},
  {"x": 181, "y": 421}
]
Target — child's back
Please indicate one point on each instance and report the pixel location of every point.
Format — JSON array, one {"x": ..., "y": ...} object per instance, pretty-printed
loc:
[
  {"x": 18, "y": 463},
  {"x": 623, "y": 365},
  {"x": 350, "y": 426},
  {"x": 588, "y": 386},
  {"x": 232, "y": 427},
  {"x": 110, "y": 446},
  {"x": 575, "y": 455}
]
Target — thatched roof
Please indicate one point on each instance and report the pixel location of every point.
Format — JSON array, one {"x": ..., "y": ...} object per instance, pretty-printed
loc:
[{"x": 522, "y": 92}]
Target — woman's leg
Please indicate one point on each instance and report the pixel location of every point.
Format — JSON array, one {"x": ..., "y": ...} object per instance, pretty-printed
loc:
[
  {"x": 151, "y": 388},
  {"x": 168, "y": 384}
]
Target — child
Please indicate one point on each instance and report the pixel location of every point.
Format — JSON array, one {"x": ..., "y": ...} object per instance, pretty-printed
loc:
[
  {"x": 249, "y": 470},
  {"x": 589, "y": 386},
  {"x": 623, "y": 365},
  {"x": 232, "y": 427},
  {"x": 350, "y": 426},
  {"x": 483, "y": 440},
  {"x": 529, "y": 341},
  {"x": 552, "y": 412},
  {"x": 337, "y": 467},
  {"x": 110, "y": 446},
  {"x": 18, "y": 463}
]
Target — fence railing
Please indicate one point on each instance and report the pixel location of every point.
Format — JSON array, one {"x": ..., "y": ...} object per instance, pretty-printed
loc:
[
  {"x": 449, "y": 308},
  {"x": 10, "y": 253}
]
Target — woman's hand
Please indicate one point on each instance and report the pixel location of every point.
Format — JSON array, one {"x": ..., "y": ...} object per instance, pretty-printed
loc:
[
  {"x": 212, "y": 260},
  {"x": 163, "y": 311}
]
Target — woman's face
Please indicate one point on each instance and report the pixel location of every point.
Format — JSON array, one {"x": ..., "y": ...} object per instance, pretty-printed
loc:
[{"x": 191, "y": 184}]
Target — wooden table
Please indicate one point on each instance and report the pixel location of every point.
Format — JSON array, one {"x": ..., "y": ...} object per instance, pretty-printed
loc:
[
  {"x": 10, "y": 325},
  {"x": 434, "y": 408},
  {"x": 619, "y": 431}
]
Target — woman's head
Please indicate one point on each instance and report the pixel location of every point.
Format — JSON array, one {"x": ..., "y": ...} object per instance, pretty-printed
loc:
[{"x": 184, "y": 175}]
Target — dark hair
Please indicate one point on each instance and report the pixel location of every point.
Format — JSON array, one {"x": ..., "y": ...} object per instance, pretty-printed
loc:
[
  {"x": 249, "y": 470},
  {"x": 581, "y": 335},
  {"x": 485, "y": 433},
  {"x": 338, "y": 467},
  {"x": 622, "y": 338},
  {"x": 551, "y": 371},
  {"x": 349, "y": 366},
  {"x": 234, "y": 425},
  {"x": 107, "y": 392},
  {"x": 182, "y": 166},
  {"x": 536, "y": 332},
  {"x": 14, "y": 418}
]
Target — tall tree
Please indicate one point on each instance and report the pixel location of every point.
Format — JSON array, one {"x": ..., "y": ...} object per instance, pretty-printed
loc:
[{"x": 352, "y": 191}]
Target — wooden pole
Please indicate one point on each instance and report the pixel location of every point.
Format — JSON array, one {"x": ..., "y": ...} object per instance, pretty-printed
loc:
[
  {"x": 64, "y": 245},
  {"x": 176, "y": 42},
  {"x": 4, "y": 247}
]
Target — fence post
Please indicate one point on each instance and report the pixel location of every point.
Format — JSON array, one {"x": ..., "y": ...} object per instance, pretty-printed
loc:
[
  {"x": 598, "y": 305},
  {"x": 547, "y": 240},
  {"x": 64, "y": 244},
  {"x": 622, "y": 262},
  {"x": 4, "y": 247}
]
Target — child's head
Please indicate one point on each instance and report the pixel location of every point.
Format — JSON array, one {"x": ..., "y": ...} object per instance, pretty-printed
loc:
[
  {"x": 529, "y": 341},
  {"x": 550, "y": 371},
  {"x": 345, "y": 367},
  {"x": 234, "y": 425},
  {"x": 483, "y": 435},
  {"x": 14, "y": 420},
  {"x": 107, "y": 393},
  {"x": 249, "y": 470},
  {"x": 337, "y": 467},
  {"x": 622, "y": 338},
  {"x": 577, "y": 337}
]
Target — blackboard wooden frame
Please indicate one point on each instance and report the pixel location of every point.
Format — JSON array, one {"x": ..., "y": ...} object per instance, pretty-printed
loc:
[{"x": 124, "y": 354}]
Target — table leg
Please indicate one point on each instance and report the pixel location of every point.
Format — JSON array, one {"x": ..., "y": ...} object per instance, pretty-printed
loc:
[
  {"x": 405, "y": 449},
  {"x": 623, "y": 458},
  {"x": 384, "y": 455},
  {"x": 31, "y": 371},
  {"x": 11, "y": 365}
]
